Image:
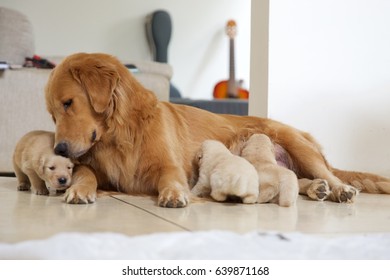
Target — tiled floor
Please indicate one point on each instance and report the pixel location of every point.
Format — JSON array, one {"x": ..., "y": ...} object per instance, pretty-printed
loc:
[{"x": 24, "y": 216}]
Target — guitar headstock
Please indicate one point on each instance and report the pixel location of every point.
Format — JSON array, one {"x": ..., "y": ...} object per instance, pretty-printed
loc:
[{"x": 231, "y": 29}]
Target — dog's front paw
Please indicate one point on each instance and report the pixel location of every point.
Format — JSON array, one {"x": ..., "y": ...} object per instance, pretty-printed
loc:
[
  {"x": 344, "y": 194},
  {"x": 172, "y": 197},
  {"x": 79, "y": 195},
  {"x": 318, "y": 190}
]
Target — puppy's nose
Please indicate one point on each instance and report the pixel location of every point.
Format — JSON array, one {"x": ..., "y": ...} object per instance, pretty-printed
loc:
[
  {"x": 62, "y": 149},
  {"x": 62, "y": 180}
]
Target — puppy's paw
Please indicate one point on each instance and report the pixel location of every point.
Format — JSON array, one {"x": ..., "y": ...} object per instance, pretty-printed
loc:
[
  {"x": 79, "y": 195},
  {"x": 221, "y": 196},
  {"x": 41, "y": 191},
  {"x": 318, "y": 190},
  {"x": 173, "y": 197},
  {"x": 344, "y": 194},
  {"x": 250, "y": 199},
  {"x": 24, "y": 187},
  {"x": 200, "y": 192}
]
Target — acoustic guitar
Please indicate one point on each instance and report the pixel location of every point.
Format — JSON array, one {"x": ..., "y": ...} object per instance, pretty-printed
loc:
[{"x": 230, "y": 88}]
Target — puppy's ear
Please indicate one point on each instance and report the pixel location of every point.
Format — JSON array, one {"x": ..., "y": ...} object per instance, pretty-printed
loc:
[{"x": 99, "y": 81}]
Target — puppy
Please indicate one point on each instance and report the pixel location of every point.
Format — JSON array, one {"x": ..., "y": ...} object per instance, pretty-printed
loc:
[
  {"x": 222, "y": 174},
  {"x": 277, "y": 184},
  {"x": 36, "y": 164}
]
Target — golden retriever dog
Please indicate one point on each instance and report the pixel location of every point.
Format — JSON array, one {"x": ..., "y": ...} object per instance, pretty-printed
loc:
[
  {"x": 136, "y": 144},
  {"x": 277, "y": 183},
  {"x": 222, "y": 174},
  {"x": 36, "y": 166}
]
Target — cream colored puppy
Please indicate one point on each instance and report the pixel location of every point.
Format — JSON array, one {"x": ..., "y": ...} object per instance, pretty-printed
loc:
[
  {"x": 277, "y": 184},
  {"x": 36, "y": 164},
  {"x": 222, "y": 174}
]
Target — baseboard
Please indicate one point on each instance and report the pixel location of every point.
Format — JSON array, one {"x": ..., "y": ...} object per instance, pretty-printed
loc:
[{"x": 7, "y": 174}]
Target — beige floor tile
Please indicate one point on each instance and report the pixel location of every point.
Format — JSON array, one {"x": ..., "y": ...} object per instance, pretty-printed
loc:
[
  {"x": 27, "y": 216},
  {"x": 370, "y": 213}
]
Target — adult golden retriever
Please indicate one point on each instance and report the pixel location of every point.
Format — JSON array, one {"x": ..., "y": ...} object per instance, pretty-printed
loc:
[{"x": 135, "y": 144}]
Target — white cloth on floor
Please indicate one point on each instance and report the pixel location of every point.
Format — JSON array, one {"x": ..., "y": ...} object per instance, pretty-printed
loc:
[{"x": 201, "y": 245}]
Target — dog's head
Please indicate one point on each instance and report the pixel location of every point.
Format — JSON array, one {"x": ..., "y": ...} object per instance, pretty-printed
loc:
[
  {"x": 82, "y": 95},
  {"x": 56, "y": 171}
]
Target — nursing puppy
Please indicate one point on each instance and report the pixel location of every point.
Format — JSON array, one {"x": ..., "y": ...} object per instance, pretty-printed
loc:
[
  {"x": 277, "y": 184},
  {"x": 222, "y": 174},
  {"x": 36, "y": 166}
]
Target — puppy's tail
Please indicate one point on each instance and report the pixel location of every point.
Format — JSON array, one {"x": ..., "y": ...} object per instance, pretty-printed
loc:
[{"x": 365, "y": 182}]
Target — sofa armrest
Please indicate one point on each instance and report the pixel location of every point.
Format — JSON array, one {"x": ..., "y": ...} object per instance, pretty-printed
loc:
[{"x": 22, "y": 109}]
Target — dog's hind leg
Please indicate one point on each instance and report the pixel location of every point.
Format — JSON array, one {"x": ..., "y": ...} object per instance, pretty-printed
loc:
[
  {"x": 317, "y": 189},
  {"x": 23, "y": 181},
  {"x": 310, "y": 163},
  {"x": 339, "y": 191}
]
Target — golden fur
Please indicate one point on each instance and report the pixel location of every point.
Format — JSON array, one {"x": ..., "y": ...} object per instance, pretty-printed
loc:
[
  {"x": 35, "y": 163},
  {"x": 222, "y": 174},
  {"x": 136, "y": 144},
  {"x": 277, "y": 184}
]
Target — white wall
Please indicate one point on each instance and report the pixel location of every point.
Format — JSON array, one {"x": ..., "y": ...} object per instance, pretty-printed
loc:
[
  {"x": 329, "y": 60},
  {"x": 329, "y": 74},
  {"x": 258, "y": 98},
  {"x": 198, "y": 50}
]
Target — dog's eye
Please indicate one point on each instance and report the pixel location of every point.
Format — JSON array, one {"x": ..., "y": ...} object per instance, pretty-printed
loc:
[
  {"x": 67, "y": 103},
  {"x": 52, "y": 167}
]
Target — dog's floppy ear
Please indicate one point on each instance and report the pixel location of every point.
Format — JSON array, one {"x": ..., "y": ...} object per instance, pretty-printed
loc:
[{"x": 99, "y": 81}]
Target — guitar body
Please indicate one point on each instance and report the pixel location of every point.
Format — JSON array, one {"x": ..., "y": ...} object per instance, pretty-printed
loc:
[{"x": 221, "y": 90}]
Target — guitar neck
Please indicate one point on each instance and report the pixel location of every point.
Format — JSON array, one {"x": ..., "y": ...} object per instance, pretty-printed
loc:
[{"x": 232, "y": 87}]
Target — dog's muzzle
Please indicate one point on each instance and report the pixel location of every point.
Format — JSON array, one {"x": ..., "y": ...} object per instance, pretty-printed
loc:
[{"x": 62, "y": 149}]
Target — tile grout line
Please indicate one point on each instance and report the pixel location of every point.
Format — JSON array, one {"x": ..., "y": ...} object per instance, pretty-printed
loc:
[{"x": 149, "y": 212}]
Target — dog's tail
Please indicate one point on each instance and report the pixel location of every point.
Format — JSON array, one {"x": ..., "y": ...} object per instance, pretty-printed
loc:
[{"x": 365, "y": 182}]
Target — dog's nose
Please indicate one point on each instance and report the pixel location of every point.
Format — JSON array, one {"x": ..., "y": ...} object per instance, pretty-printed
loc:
[
  {"x": 62, "y": 181},
  {"x": 62, "y": 149}
]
